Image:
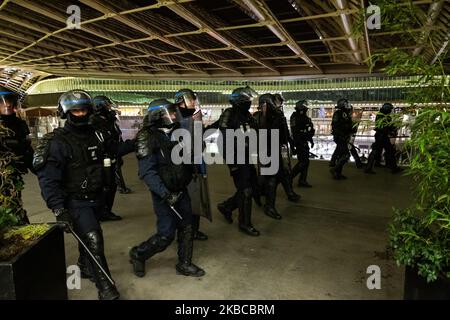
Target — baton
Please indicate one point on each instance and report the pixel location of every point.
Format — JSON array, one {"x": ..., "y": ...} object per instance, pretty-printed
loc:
[
  {"x": 67, "y": 225},
  {"x": 176, "y": 212}
]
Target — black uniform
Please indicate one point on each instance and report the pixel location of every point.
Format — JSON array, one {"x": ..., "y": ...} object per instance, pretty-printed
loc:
[
  {"x": 285, "y": 175},
  {"x": 244, "y": 175},
  {"x": 270, "y": 120},
  {"x": 303, "y": 133},
  {"x": 342, "y": 129},
  {"x": 69, "y": 163},
  {"x": 105, "y": 122},
  {"x": 384, "y": 130},
  {"x": 190, "y": 112},
  {"x": 168, "y": 185}
]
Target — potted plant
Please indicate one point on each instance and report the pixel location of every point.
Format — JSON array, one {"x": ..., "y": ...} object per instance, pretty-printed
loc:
[
  {"x": 420, "y": 234},
  {"x": 32, "y": 257}
]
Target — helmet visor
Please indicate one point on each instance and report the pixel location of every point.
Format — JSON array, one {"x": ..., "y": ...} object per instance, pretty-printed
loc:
[
  {"x": 9, "y": 103},
  {"x": 191, "y": 102}
]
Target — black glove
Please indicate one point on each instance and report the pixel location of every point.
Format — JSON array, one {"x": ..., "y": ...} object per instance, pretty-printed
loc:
[
  {"x": 312, "y": 144},
  {"x": 173, "y": 198},
  {"x": 63, "y": 217}
]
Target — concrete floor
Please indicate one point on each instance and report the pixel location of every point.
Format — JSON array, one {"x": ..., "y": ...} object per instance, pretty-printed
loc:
[{"x": 319, "y": 250}]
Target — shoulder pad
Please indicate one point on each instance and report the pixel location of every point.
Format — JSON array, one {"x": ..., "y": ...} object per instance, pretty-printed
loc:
[
  {"x": 147, "y": 142},
  {"x": 42, "y": 150},
  {"x": 142, "y": 146},
  {"x": 225, "y": 119}
]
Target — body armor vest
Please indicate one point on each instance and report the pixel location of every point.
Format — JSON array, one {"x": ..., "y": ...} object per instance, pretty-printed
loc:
[
  {"x": 83, "y": 175},
  {"x": 302, "y": 128},
  {"x": 175, "y": 177}
]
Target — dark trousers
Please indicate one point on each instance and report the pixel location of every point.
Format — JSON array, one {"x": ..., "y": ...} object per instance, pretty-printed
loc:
[
  {"x": 302, "y": 166},
  {"x": 167, "y": 221},
  {"x": 381, "y": 143},
  {"x": 245, "y": 181},
  {"x": 168, "y": 225},
  {"x": 85, "y": 215},
  {"x": 119, "y": 180},
  {"x": 341, "y": 154}
]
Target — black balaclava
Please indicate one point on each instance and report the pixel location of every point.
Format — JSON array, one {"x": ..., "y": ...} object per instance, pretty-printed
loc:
[
  {"x": 186, "y": 112},
  {"x": 78, "y": 121}
]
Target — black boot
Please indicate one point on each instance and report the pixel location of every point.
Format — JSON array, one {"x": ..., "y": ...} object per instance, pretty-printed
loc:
[
  {"x": 198, "y": 235},
  {"x": 110, "y": 216},
  {"x": 303, "y": 175},
  {"x": 370, "y": 163},
  {"x": 125, "y": 190},
  {"x": 245, "y": 213},
  {"x": 106, "y": 289},
  {"x": 185, "y": 249},
  {"x": 271, "y": 193},
  {"x": 85, "y": 265},
  {"x": 147, "y": 249},
  {"x": 334, "y": 174},
  {"x": 286, "y": 182},
  {"x": 226, "y": 208}
]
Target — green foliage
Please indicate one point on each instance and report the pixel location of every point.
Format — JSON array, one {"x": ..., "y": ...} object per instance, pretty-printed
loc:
[
  {"x": 420, "y": 234},
  {"x": 28, "y": 232},
  {"x": 11, "y": 184}
]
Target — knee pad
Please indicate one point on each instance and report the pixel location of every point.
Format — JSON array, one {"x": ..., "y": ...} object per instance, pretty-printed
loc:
[
  {"x": 159, "y": 242},
  {"x": 94, "y": 241}
]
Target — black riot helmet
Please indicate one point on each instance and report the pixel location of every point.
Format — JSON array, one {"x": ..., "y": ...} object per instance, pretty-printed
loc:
[
  {"x": 242, "y": 98},
  {"x": 387, "y": 108},
  {"x": 9, "y": 101},
  {"x": 301, "y": 106},
  {"x": 163, "y": 115},
  {"x": 103, "y": 104},
  {"x": 278, "y": 99},
  {"x": 188, "y": 102},
  {"x": 75, "y": 100},
  {"x": 344, "y": 105},
  {"x": 268, "y": 100}
]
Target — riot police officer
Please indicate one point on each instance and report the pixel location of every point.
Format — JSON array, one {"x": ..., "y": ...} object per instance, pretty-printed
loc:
[
  {"x": 268, "y": 118},
  {"x": 189, "y": 107},
  {"x": 384, "y": 130},
  {"x": 342, "y": 129},
  {"x": 70, "y": 164},
  {"x": 168, "y": 183},
  {"x": 104, "y": 120},
  {"x": 244, "y": 175},
  {"x": 16, "y": 140},
  {"x": 286, "y": 140},
  {"x": 303, "y": 133}
]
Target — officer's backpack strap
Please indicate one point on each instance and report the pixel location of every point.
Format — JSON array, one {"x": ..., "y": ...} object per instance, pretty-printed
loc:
[{"x": 42, "y": 150}]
